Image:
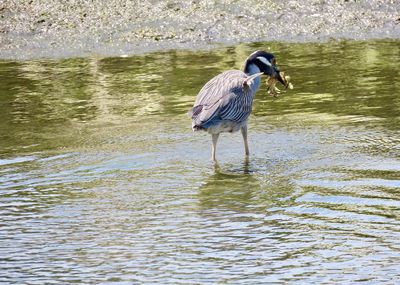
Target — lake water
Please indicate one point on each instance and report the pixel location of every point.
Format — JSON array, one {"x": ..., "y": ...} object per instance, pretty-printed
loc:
[{"x": 102, "y": 180}]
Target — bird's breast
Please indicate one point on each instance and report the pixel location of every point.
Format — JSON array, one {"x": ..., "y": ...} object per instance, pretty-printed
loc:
[{"x": 256, "y": 84}]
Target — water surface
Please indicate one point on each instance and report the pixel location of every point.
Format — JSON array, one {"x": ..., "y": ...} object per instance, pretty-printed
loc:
[{"x": 103, "y": 181}]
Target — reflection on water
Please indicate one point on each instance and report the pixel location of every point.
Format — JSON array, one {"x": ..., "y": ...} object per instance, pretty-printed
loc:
[{"x": 102, "y": 180}]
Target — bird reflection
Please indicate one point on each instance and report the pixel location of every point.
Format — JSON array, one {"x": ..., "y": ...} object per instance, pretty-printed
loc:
[
  {"x": 251, "y": 186},
  {"x": 229, "y": 187},
  {"x": 245, "y": 169}
]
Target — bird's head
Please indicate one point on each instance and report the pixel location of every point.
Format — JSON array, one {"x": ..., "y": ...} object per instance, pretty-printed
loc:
[{"x": 261, "y": 61}]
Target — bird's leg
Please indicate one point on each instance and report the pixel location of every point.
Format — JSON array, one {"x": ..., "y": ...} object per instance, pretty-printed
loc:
[
  {"x": 214, "y": 146},
  {"x": 246, "y": 145}
]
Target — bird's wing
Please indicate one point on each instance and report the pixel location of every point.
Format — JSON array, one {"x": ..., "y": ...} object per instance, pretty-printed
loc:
[{"x": 218, "y": 98}]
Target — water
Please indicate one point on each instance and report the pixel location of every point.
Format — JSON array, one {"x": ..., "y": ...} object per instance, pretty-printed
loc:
[{"x": 102, "y": 180}]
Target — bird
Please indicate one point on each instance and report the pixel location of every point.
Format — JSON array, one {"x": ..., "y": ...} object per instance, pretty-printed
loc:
[{"x": 225, "y": 102}]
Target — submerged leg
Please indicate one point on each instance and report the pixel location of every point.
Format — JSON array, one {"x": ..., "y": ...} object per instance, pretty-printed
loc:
[
  {"x": 214, "y": 146},
  {"x": 244, "y": 134}
]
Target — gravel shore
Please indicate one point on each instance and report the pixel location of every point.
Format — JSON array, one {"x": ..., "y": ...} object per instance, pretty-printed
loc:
[{"x": 32, "y": 29}]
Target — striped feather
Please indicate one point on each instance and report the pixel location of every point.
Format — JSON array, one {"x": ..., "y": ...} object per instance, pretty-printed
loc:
[{"x": 228, "y": 97}]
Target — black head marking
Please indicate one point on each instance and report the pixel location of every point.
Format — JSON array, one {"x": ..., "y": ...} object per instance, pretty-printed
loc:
[
  {"x": 265, "y": 61},
  {"x": 255, "y": 57}
]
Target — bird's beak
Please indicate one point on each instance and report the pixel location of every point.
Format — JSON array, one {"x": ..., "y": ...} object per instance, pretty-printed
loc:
[{"x": 279, "y": 77}]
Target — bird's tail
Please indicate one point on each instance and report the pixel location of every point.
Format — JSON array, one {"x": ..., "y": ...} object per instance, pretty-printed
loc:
[
  {"x": 197, "y": 128},
  {"x": 195, "y": 111}
]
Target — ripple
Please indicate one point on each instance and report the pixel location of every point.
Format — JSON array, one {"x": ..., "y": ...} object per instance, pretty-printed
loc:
[
  {"x": 16, "y": 160},
  {"x": 343, "y": 200},
  {"x": 103, "y": 182},
  {"x": 353, "y": 183}
]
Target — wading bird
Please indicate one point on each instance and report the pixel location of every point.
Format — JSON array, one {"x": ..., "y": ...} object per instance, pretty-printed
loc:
[{"x": 225, "y": 102}]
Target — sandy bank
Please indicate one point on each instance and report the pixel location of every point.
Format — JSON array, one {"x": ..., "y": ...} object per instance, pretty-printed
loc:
[{"x": 31, "y": 29}]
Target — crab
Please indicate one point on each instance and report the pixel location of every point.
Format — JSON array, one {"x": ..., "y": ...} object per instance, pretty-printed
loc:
[{"x": 274, "y": 91}]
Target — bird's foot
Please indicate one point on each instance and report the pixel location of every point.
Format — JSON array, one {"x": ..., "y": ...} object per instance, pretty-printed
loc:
[{"x": 216, "y": 165}]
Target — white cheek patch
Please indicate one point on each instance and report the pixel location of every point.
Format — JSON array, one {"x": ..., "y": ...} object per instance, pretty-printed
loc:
[{"x": 264, "y": 60}]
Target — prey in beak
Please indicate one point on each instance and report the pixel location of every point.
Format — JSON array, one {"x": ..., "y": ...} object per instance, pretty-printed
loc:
[
  {"x": 265, "y": 62},
  {"x": 271, "y": 81},
  {"x": 280, "y": 76}
]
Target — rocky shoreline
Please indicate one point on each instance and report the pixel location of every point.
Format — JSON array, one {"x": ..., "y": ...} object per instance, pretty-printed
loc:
[{"x": 32, "y": 29}]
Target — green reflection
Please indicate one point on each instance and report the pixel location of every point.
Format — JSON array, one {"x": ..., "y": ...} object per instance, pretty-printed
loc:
[
  {"x": 252, "y": 186},
  {"x": 48, "y": 104},
  {"x": 98, "y": 166}
]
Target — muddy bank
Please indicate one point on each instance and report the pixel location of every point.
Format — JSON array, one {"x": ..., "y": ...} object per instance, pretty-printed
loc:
[{"x": 52, "y": 29}]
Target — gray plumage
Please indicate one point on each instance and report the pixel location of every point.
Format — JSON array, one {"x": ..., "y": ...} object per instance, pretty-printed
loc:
[{"x": 224, "y": 104}]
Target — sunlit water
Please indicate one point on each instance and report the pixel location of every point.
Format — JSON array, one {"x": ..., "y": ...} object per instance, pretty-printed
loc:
[{"x": 103, "y": 181}]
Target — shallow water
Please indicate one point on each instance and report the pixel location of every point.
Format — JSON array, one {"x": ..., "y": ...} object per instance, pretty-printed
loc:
[{"x": 103, "y": 181}]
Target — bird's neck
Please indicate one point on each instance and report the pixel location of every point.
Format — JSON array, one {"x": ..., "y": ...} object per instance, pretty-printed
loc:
[{"x": 251, "y": 69}]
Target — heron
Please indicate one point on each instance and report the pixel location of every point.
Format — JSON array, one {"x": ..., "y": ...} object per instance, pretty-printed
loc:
[{"x": 225, "y": 102}]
